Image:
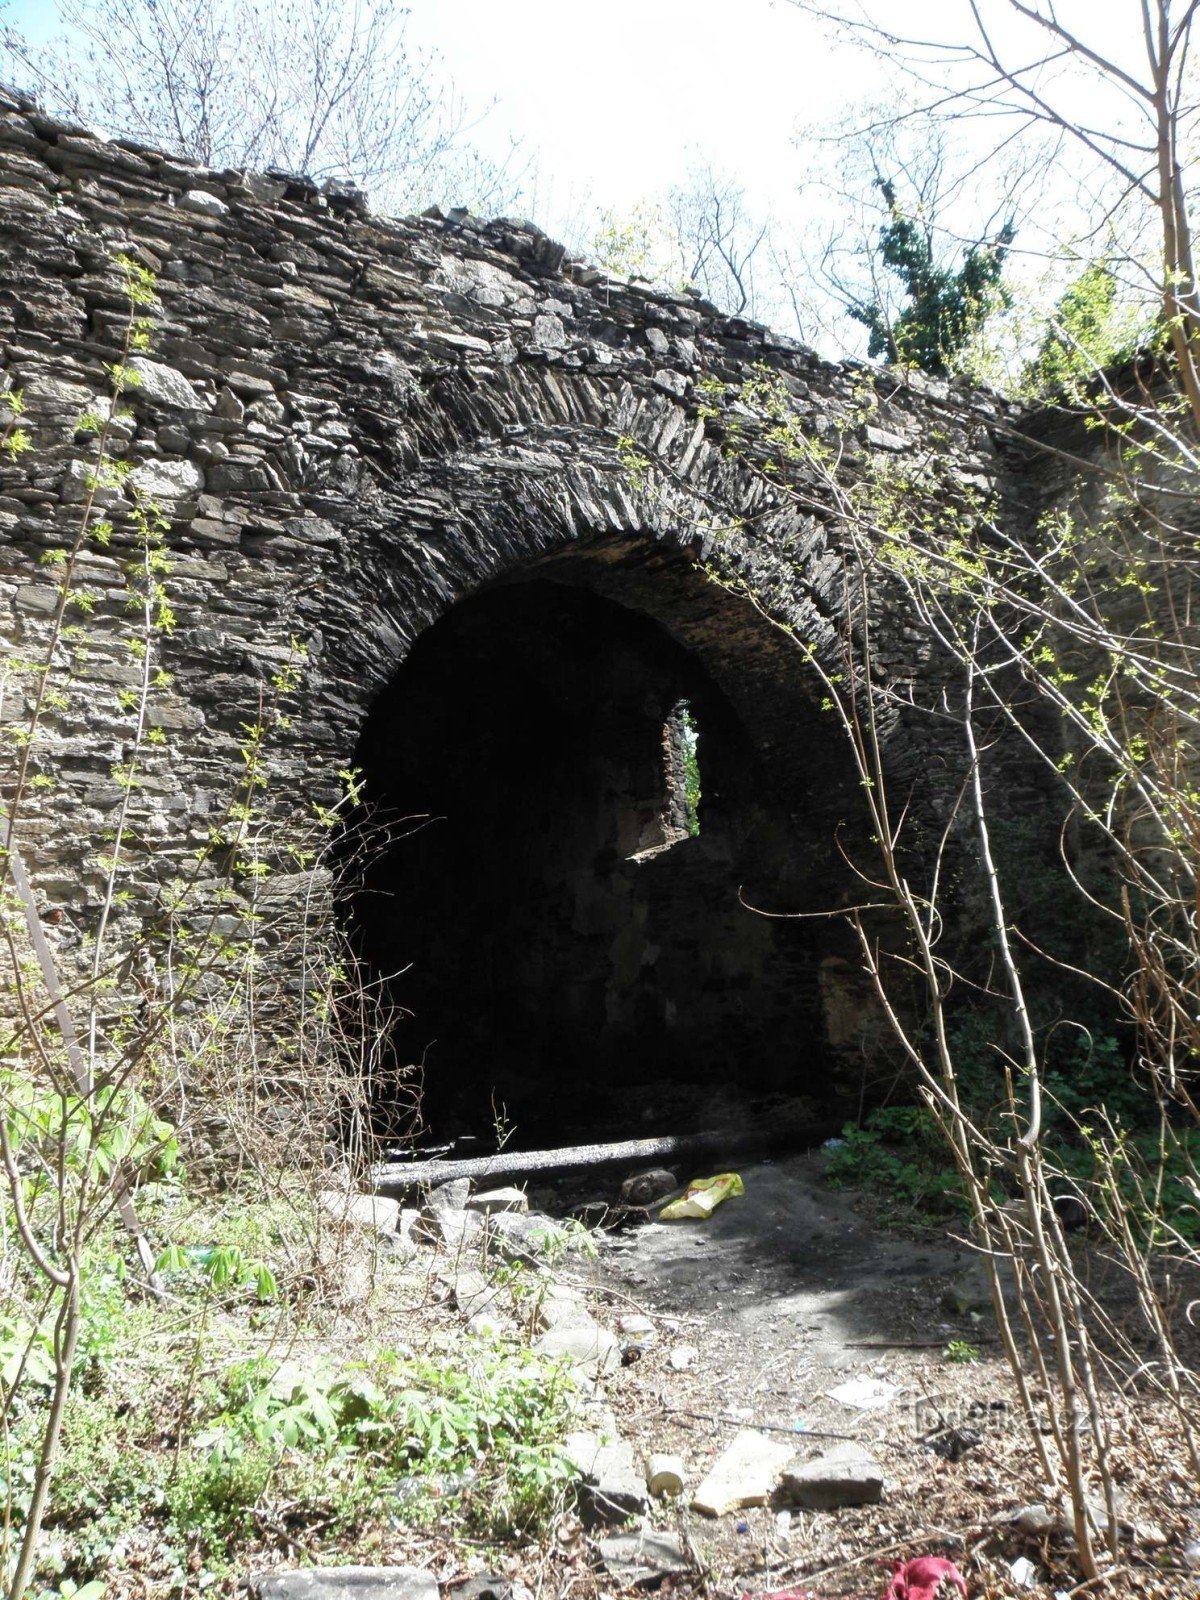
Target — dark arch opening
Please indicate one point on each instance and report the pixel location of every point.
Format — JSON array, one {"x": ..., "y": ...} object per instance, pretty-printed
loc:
[{"x": 566, "y": 939}]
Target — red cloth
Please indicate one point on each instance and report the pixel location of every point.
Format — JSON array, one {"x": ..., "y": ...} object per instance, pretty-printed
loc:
[{"x": 923, "y": 1578}]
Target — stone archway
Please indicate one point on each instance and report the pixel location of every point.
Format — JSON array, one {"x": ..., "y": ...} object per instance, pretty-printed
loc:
[
  {"x": 570, "y": 955},
  {"x": 361, "y": 433}
]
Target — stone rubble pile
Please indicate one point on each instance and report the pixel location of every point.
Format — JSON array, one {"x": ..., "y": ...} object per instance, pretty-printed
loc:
[{"x": 473, "y": 1232}]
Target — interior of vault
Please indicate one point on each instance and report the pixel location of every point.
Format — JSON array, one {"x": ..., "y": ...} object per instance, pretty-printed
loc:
[{"x": 564, "y": 933}]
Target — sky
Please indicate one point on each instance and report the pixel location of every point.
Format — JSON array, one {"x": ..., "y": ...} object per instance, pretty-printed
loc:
[
  {"x": 612, "y": 104},
  {"x": 621, "y": 98}
]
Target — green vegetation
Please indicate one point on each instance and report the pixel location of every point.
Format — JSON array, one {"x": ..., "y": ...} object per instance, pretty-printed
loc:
[
  {"x": 945, "y": 306},
  {"x": 246, "y": 1413},
  {"x": 691, "y": 767},
  {"x": 899, "y": 1156},
  {"x": 1090, "y": 332}
]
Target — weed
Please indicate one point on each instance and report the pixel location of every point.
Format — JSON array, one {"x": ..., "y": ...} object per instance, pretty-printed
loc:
[{"x": 898, "y": 1155}]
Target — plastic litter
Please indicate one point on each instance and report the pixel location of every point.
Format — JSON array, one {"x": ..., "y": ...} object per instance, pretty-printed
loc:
[
  {"x": 664, "y": 1474},
  {"x": 702, "y": 1196},
  {"x": 864, "y": 1394},
  {"x": 1023, "y": 1573},
  {"x": 833, "y": 1144}
]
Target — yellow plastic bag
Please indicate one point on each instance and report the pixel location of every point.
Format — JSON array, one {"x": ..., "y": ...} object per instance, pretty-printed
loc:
[{"x": 702, "y": 1197}]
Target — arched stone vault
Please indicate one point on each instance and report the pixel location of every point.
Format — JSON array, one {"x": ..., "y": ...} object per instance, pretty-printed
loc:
[{"x": 358, "y": 426}]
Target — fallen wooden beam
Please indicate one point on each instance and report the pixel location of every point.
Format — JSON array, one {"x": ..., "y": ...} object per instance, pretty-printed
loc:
[{"x": 398, "y": 1177}]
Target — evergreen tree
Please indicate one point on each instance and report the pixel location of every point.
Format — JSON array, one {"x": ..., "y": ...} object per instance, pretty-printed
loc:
[{"x": 945, "y": 305}]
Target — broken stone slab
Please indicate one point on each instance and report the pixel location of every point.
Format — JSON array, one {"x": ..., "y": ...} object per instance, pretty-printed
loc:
[
  {"x": 458, "y": 1231},
  {"x": 521, "y": 1238},
  {"x": 371, "y": 1210},
  {"x": 345, "y": 1583},
  {"x": 163, "y": 385},
  {"x": 843, "y": 1476},
  {"x": 586, "y": 1346},
  {"x": 496, "y": 1200},
  {"x": 559, "y": 1307},
  {"x": 641, "y": 1557},
  {"x": 744, "y": 1474},
  {"x": 611, "y": 1487},
  {"x": 472, "y": 1292}
]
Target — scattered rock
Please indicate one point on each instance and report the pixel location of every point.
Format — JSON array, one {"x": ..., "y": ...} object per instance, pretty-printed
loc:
[
  {"x": 744, "y": 1474},
  {"x": 371, "y": 1210},
  {"x": 644, "y": 1188},
  {"x": 451, "y": 1196},
  {"x": 683, "y": 1356},
  {"x": 1023, "y": 1573},
  {"x": 472, "y": 1292},
  {"x": 1036, "y": 1520},
  {"x": 494, "y": 1200},
  {"x": 581, "y": 1346},
  {"x": 457, "y": 1230},
  {"x": 612, "y": 1488},
  {"x": 345, "y": 1583},
  {"x": 864, "y": 1394},
  {"x": 442, "y": 1219},
  {"x": 518, "y": 1237},
  {"x": 485, "y": 1325},
  {"x": 843, "y": 1476},
  {"x": 559, "y": 1307},
  {"x": 163, "y": 385},
  {"x": 487, "y": 1586},
  {"x": 648, "y": 1555}
]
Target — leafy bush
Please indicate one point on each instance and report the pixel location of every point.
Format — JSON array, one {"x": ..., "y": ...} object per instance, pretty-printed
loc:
[
  {"x": 486, "y": 1433},
  {"x": 899, "y": 1155}
]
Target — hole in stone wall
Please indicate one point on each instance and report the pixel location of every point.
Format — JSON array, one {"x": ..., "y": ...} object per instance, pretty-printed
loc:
[{"x": 564, "y": 923}]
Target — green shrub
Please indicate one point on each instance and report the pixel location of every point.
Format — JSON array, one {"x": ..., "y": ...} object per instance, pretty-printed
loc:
[{"x": 899, "y": 1155}]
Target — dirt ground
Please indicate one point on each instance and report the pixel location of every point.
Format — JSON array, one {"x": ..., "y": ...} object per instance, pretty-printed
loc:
[{"x": 790, "y": 1290}]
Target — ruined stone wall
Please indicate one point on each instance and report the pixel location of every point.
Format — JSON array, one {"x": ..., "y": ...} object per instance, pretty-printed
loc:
[{"x": 352, "y": 424}]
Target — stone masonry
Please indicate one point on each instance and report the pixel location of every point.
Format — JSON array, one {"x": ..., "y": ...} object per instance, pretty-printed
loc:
[{"x": 410, "y": 449}]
